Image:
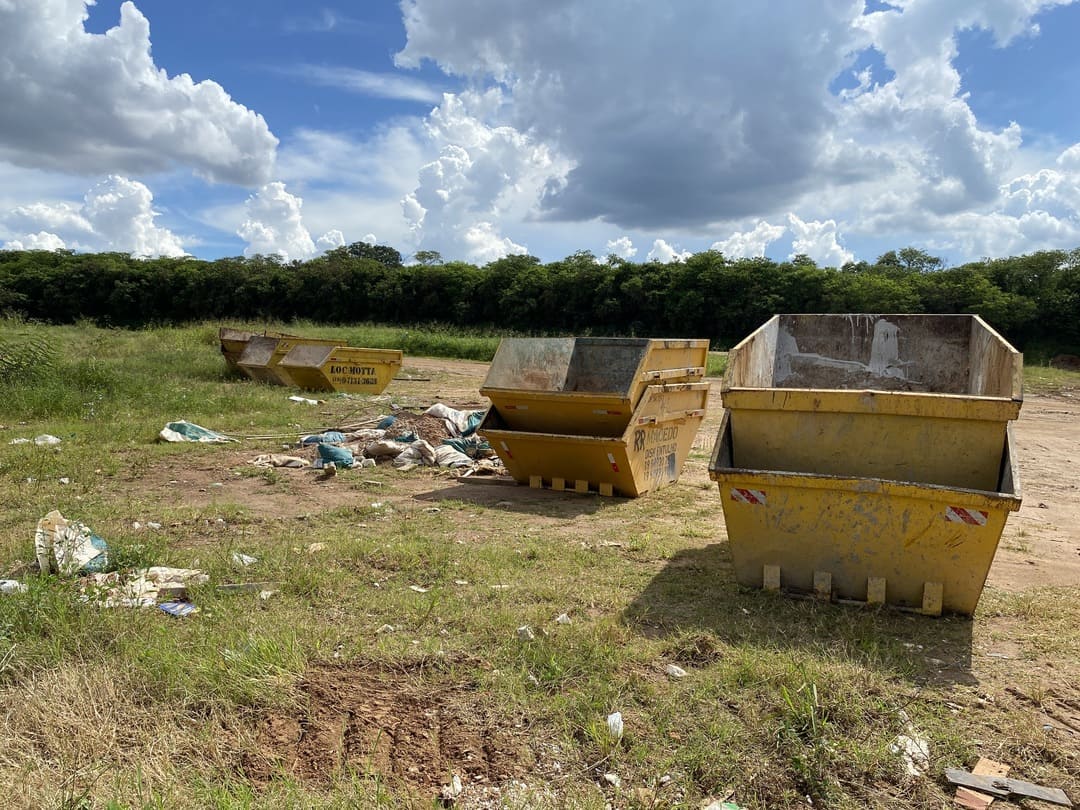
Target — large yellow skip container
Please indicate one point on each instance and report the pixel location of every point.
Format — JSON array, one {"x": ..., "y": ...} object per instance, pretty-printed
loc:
[
  {"x": 920, "y": 398},
  {"x": 845, "y": 536},
  {"x": 261, "y": 358},
  {"x": 584, "y": 386},
  {"x": 341, "y": 368},
  {"x": 648, "y": 453},
  {"x": 234, "y": 341}
]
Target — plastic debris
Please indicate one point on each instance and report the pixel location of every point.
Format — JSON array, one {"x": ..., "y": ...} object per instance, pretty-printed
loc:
[
  {"x": 183, "y": 431},
  {"x": 675, "y": 671},
  {"x": 339, "y": 456},
  {"x": 329, "y": 437},
  {"x": 9, "y": 586},
  {"x": 563, "y": 618},
  {"x": 615, "y": 725},
  {"x": 19, "y": 441},
  {"x": 525, "y": 633},
  {"x": 279, "y": 460},
  {"x": 418, "y": 589},
  {"x": 306, "y": 401},
  {"x": 914, "y": 752},
  {"x": 243, "y": 560},
  {"x": 386, "y": 628},
  {"x": 46, "y": 439},
  {"x": 143, "y": 588},
  {"x": 178, "y": 609},
  {"x": 67, "y": 547},
  {"x": 613, "y": 779},
  {"x": 450, "y": 793},
  {"x": 315, "y": 548}
]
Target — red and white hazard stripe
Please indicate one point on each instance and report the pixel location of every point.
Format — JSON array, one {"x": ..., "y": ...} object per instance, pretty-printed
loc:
[
  {"x": 611, "y": 460},
  {"x": 506, "y": 450},
  {"x": 606, "y": 412},
  {"x": 753, "y": 497},
  {"x": 973, "y": 517}
]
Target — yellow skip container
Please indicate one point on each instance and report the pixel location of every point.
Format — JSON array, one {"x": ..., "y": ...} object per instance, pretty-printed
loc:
[
  {"x": 927, "y": 547},
  {"x": 341, "y": 368},
  {"x": 261, "y": 359},
  {"x": 610, "y": 415},
  {"x": 869, "y": 457}
]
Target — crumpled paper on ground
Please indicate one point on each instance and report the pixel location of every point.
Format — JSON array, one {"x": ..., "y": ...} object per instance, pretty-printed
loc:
[
  {"x": 67, "y": 546},
  {"x": 143, "y": 588}
]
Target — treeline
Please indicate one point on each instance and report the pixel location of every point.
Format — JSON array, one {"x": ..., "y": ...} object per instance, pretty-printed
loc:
[{"x": 1034, "y": 299}]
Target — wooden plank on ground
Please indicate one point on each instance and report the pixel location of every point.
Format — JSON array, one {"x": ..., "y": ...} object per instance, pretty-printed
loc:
[{"x": 973, "y": 799}]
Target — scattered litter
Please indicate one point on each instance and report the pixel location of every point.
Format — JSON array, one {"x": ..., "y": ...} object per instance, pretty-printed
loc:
[
  {"x": 329, "y": 437},
  {"x": 382, "y": 448},
  {"x": 525, "y": 633},
  {"x": 450, "y": 793},
  {"x": 433, "y": 510},
  {"x": 461, "y": 582},
  {"x": 447, "y": 456},
  {"x": 720, "y": 804},
  {"x": 613, "y": 780},
  {"x": 184, "y": 431},
  {"x": 615, "y": 725},
  {"x": 386, "y": 422},
  {"x": 65, "y": 480},
  {"x": 243, "y": 560},
  {"x": 143, "y": 588},
  {"x": 339, "y": 456},
  {"x": 418, "y": 589},
  {"x": 9, "y": 586},
  {"x": 563, "y": 618},
  {"x": 315, "y": 548},
  {"x": 46, "y": 439},
  {"x": 386, "y": 628},
  {"x": 914, "y": 752},
  {"x": 377, "y": 505},
  {"x": 19, "y": 441},
  {"x": 178, "y": 609},
  {"x": 279, "y": 460},
  {"x": 306, "y": 401},
  {"x": 266, "y": 594},
  {"x": 418, "y": 451},
  {"x": 367, "y": 463},
  {"x": 66, "y": 547},
  {"x": 675, "y": 671},
  {"x": 458, "y": 423},
  {"x": 1004, "y": 788}
]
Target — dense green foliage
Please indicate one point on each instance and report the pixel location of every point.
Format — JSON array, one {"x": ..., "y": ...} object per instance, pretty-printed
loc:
[{"x": 1034, "y": 300}]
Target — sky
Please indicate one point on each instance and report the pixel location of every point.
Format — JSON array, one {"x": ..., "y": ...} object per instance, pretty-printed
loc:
[{"x": 838, "y": 129}]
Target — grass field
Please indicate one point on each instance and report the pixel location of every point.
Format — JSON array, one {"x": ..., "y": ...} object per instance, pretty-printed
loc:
[{"x": 390, "y": 657}]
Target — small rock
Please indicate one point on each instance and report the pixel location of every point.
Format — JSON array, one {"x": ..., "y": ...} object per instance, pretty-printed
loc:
[
  {"x": 217, "y": 485},
  {"x": 675, "y": 671},
  {"x": 264, "y": 595},
  {"x": 525, "y": 633},
  {"x": 1043, "y": 506},
  {"x": 613, "y": 780}
]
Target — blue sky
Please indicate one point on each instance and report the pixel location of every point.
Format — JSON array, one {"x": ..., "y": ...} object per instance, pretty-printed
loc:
[{"x": 479, "y": 128}]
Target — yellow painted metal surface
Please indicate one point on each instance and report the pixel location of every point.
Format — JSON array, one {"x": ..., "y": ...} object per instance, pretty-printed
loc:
[
  {"x": 918, "y": 398},
  {"x": 948, "y": 440},
  {"x": 261, "y": 359},
  {"x": 342, "y": 368},
  {"x": 647, "y": 455},
  {"x": 861, "y": 530},
  {"x": 584, "y": 386},
  {"x": 234, "y": 341}
]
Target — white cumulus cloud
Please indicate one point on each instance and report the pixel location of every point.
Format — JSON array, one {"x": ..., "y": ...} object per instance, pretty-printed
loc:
[
  {"x": 116, "y": 214},
  {"x": 663, "y": 252},
  {"x": 275, "y": 226},
  {"x": 819, "y": 241},
  {"x": 482, "y": 175},
  {"x": 622, "y": 247},
  {"x": 96, "y": 103},
  {"x": 748, "y": 244}
]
